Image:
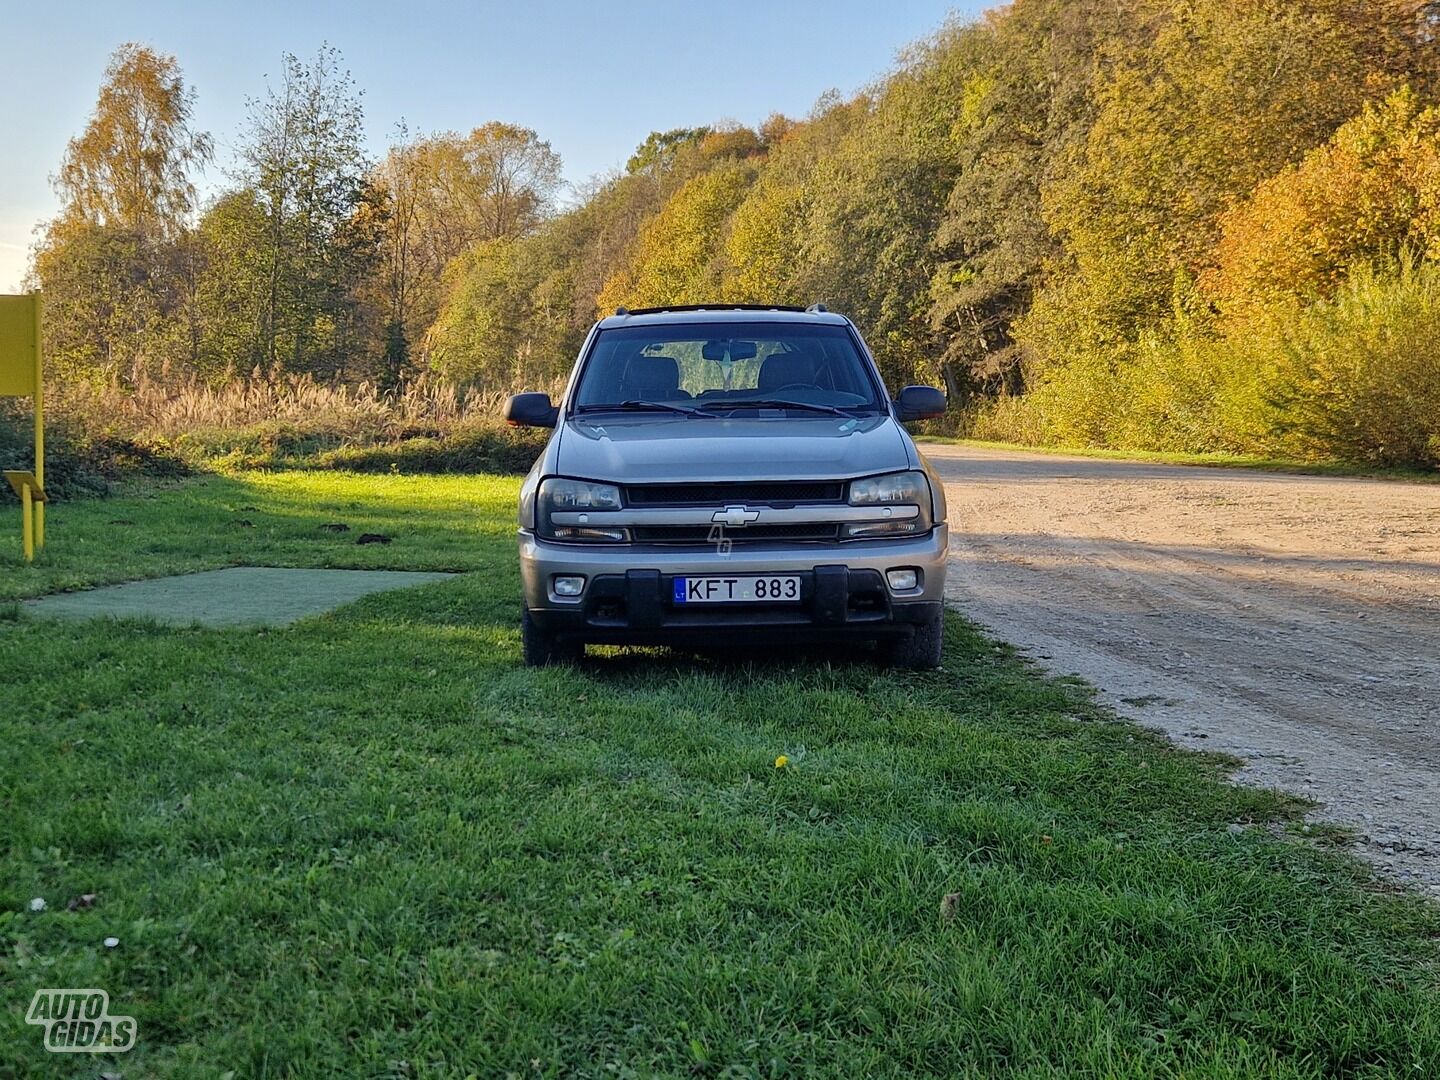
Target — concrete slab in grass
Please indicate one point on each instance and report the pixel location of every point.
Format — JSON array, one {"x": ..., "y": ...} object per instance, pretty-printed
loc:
[{"x": 239, "y": 596}]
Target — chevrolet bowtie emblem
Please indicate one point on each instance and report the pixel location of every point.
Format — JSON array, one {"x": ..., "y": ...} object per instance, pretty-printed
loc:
[{"x": 737, "y": 517}]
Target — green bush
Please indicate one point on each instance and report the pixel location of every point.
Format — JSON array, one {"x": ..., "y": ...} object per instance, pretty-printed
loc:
[
  {"x": 1353, "y": 378},
  {"x": 78, "y": 463},
  {"x": 493, "y": 448},
  {"x": 1359, "y": 375}
]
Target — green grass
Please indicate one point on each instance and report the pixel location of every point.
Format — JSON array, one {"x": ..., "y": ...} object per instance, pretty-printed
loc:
[
  {"x": 1213, "y": 460},
  {"x": 373, "y": 845},
  {"x": 267, "y": 519}
]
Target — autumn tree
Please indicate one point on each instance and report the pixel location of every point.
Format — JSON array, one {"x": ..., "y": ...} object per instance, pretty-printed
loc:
[
  {"x": 613, "y": 213},
  {"x": 660, "y": 148},
  {"x": 1366, "y": 197},
  {"x": 1024, "y": 100},
  {"x": 482, "y": 333},
  {"x": 767, "y": 237},
  {"x": 524, "y": 305},
  {"x": 874, "y": 203},
  {"x": 132, "y": 167},
  {"x": 446, "y": 194},
  {"x": 108, "y": 262},
  {"x": 676, "y": 257},
  {"x": 515, "y": 312}
]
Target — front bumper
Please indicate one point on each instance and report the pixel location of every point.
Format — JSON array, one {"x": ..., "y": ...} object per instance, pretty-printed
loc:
[{"x": 628, "y": 597}]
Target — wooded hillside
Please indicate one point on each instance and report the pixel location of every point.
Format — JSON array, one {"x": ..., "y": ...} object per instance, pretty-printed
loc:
[{"x": 1163, "y": 224}]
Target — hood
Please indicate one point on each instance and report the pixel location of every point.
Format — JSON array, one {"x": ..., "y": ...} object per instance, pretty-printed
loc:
[{"x": 664, "y": 449}]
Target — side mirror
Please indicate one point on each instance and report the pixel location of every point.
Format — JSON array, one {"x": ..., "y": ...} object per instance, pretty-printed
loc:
[
  {"x": 920, "y": 403},
  {"x": 530, "y": 410}
]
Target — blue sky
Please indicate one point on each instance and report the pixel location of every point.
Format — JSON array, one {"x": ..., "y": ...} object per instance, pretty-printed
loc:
[{"x": 593, "y": 78}]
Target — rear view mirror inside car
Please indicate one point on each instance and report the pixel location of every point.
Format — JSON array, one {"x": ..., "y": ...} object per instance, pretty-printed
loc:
[{"x": 728, "y": 350}]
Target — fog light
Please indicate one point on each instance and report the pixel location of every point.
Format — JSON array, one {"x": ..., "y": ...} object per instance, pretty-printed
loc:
[
  {"x": 902, "y": 580},
  {"x": 567, "y": 586},
  {"x": 861, "y": 530},
  {"x": 589, "y": 532}
]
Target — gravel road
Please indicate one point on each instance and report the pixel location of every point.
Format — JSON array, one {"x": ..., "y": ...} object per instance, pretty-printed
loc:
[{"x": 1293, "y": 621}]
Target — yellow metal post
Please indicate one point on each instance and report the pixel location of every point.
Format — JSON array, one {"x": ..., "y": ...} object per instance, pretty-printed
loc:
[
  {"x": 32, "y": 497},
  {"x": 39, "y": 423},
  {"x": 27, "y": 524},
  {"x": 22, "y": 375}
]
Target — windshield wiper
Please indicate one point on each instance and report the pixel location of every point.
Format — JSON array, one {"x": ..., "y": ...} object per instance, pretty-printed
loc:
[
  {"x": 636, "y": 405},
  {"x": 778, "y": 403}
]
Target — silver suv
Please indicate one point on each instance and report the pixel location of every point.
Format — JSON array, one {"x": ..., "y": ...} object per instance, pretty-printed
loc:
[{"x": 728, "y": 474}]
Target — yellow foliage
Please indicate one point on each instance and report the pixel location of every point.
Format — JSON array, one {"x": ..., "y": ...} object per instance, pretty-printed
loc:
[
  {"x": 1228, "y": 95},
  {"x": 1371, "y": 190},
  {"x": 763, "y": 243},
  {"x": 675, "y": 258}
]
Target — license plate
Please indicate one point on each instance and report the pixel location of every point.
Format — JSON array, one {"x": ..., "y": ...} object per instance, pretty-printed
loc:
[{"x": 774, "y": 589}]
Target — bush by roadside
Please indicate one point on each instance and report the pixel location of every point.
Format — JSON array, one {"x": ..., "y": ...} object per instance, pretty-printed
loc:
[{"x": 1354, "y": 378}]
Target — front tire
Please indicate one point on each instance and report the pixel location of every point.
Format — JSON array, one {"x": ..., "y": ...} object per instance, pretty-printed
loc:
[
  {"x": 540, "y": 647},
  {"x": 922, "y": 650}
]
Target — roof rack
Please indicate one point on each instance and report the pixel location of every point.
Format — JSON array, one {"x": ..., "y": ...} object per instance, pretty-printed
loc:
[{"x": 715, "y": 307}]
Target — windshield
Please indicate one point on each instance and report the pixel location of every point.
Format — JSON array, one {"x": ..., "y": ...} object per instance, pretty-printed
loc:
[{"x": 710, "y": 368}]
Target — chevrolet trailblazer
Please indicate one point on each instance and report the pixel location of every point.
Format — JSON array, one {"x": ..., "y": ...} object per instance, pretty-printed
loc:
[{"x": 730, "y": 473}]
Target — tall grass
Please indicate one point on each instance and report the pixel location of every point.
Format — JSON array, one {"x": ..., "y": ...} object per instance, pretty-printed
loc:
[
  {"x": 362, "y": 412},
  {"x": 150, "y": 425}
]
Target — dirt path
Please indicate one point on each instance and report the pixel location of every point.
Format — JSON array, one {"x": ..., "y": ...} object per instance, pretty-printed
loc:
[{"x": 1293, "y": 621}]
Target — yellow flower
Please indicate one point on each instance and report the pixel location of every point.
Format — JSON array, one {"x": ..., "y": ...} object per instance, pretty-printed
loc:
[{"x": 781, "y": 761}]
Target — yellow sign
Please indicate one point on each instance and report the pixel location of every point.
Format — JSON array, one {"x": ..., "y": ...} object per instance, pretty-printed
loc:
[
  {"x": 19, "y": 345},
  {"x": 22, "y": 375},
  {"x": 19, "y": 481}
]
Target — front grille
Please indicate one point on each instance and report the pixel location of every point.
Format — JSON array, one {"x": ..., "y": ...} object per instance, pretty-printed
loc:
[
  {"x": 701, "y": 534},
  {"x": 771, "y": 493}
]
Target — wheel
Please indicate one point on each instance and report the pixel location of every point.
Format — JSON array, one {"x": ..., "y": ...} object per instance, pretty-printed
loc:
[
  {"x": 539, "y": 646},
  {"x": 920, "y": 652}
]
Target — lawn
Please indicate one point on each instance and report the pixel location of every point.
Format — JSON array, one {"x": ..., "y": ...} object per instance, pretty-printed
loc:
[{"x": 373, "y": 845}]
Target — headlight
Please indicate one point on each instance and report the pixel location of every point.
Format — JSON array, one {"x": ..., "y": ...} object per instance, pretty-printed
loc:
[
  {"x": 906, "y": 488},
  {"x": 903, "y": 487},
  {"x": 558, "y": 495}
]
